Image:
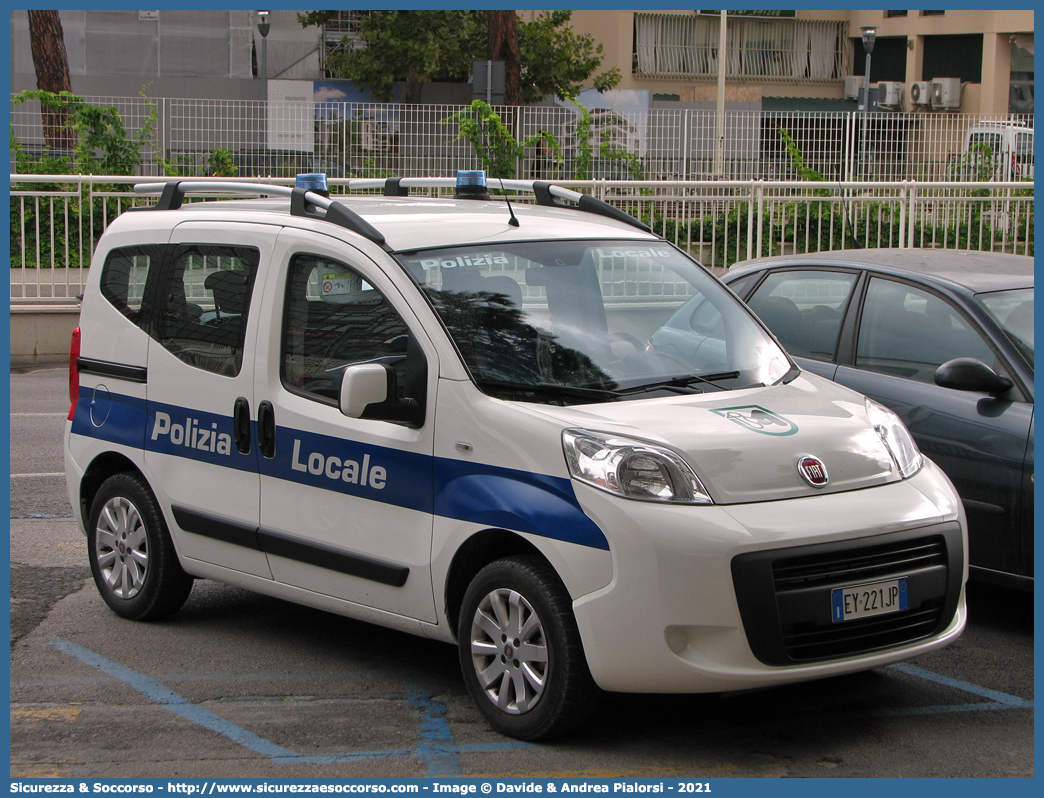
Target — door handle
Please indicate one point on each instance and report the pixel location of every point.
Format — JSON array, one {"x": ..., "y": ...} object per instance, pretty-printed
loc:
[
  {"x": 241, "y": 425},
  {"x": 266, "y": 429}
]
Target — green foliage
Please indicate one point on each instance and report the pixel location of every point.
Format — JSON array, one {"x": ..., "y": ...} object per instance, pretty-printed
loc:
[
  {"x": 798, "y": 158},
  {"x": 102, "y": 145},
  {"x": 555, "y": 60},
  {"x": 821, "y": 225},
  {"x": 220, "y": 163},
  {"x": 413, "y": 46},
  {"x": 424, "y": 46},
  {"x": 495, "y": 146},
  {"x": 499, "y": 152},
  {"x": 584, "y": 164}
]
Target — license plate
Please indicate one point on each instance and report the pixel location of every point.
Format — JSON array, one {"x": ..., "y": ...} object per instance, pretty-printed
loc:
[{"x": 864, "y": 601}]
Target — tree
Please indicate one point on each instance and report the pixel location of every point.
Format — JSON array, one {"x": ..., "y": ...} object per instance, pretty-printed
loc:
[
  {"x": 503, "y": 46},
  {"x": 51, "y": 62},
  {"x": 557, "y": 61},
  {"x": 422, "y": 46},
  {"x": 416, "y": 47}
]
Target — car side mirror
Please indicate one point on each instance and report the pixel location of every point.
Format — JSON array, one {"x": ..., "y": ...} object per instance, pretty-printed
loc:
[
  {"x": 969, "y": 374},
  {"x": 362, "y": 385},
  {"x": 370, "y": 390}
]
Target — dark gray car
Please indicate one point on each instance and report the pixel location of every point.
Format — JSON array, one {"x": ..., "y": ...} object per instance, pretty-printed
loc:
[{"x": 943, "y": 338}]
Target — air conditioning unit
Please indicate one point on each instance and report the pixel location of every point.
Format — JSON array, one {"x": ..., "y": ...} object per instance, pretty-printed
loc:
[
  {"x": 889, "y": 92},
  {"x": 853, "y": 83},
  {"x": 921, "y": 92},
  {"x": 946, "y": 93}
]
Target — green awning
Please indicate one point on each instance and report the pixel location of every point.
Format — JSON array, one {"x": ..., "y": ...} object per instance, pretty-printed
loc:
[{"x": 807, "y": 104}]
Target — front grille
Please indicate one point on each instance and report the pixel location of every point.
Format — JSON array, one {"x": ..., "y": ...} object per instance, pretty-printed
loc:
[
  {"x": 784, "y": 595},
  {"x": 861, "y": 565}
]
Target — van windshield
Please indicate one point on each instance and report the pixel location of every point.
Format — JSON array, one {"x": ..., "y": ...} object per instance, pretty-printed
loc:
[{"x": 569, "y": 322}]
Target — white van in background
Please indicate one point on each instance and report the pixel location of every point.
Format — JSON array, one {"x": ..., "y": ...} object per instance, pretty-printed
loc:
[{"x": 1000, "y": 151}]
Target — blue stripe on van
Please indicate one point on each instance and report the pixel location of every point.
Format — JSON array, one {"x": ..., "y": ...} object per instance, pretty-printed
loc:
[
  {"x": 383, "y": 474},
  {"x": 537, "y": 504},
  {"x": 503, "y": 497},
  {"x": 122, "y": 418}
]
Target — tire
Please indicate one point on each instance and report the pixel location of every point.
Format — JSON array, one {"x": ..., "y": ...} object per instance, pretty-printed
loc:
[
  {"x": 520, "y": 651},
  {"x": 133, "y": 560}
]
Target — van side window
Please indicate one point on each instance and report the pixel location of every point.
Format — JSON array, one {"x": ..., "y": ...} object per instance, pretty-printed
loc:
[
  {"x": 124, "y": 278},
  {"x": 334, "y": 319},
  {"x": 203, "y": 304}
]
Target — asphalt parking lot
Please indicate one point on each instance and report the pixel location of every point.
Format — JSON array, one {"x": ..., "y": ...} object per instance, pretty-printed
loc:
[{"x": 239, "y": 685}]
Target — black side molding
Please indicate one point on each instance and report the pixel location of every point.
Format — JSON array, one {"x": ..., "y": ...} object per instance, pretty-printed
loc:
[
  {"x": 334, "y": 559},
  {"x": 291, "y": 548},
  {"x": 117, "y": 371},
  {"x": 217, "y": 528}
]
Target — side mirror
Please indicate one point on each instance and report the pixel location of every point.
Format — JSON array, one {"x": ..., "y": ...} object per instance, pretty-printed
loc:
[
  {"x": 969, "y": 374},
  {"x": 370, "y": 390},
  {"x": 363, "y": 385}
]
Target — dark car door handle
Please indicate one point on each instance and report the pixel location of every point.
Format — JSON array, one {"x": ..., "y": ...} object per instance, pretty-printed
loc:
[
  {"x": 241, "y": 425},
  {"x": 266, "y": 441}
]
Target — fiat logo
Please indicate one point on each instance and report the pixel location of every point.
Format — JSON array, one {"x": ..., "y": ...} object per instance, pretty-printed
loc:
[{"x": 813, "y": 471}]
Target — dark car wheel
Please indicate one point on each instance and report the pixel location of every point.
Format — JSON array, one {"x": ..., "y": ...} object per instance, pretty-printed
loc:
[
  {"x": 132, "y": 556},
  {"x": 520, "y": 650}
]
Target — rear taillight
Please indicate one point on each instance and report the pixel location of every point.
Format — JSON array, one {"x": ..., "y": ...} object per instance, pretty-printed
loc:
[{"x": 74, "y": 372}]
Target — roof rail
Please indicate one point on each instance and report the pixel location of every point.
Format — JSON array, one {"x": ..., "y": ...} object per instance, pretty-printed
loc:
[
  {"x": 302, "y": 203},
  {"x": 547, "y": 194},
  {"x": 305, "y": 203}
]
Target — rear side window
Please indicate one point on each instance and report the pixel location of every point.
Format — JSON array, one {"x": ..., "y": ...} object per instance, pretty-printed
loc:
[
  {"x": 125, "y": 276},
  {"x": 804, "y": 309},
  {"x": 204, "y": 303}
]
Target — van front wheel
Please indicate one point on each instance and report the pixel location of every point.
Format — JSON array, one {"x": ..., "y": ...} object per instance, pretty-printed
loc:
[{"x": 520, "y": 650}]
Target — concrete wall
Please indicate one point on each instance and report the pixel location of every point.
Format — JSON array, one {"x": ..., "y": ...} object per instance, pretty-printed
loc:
[{"x": 40, "y": 335}]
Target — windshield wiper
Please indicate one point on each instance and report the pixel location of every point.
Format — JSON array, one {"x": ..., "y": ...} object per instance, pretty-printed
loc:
[
  {"x": 682, "y": 384},
  {"x": 551, "y": 388}
]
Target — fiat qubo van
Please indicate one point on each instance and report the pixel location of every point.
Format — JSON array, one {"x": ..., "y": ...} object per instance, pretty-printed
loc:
[{"x": 483, "y": 419}]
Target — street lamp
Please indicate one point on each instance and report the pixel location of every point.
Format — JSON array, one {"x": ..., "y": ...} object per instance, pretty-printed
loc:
[
  {"x": 869, "y": 35},
  {"x": 263, "y": 26}
]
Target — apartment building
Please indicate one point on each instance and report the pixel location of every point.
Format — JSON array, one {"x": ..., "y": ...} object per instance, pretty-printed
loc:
[
  {"x": 806, "y": 55},
  {"x": 775, "y": 59}
]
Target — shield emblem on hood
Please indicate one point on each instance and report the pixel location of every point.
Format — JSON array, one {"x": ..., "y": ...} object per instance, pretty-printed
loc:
[{"x": 758, "y": 419}]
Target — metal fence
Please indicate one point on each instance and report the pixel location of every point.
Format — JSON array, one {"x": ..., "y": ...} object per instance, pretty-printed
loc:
[
  {"x": 56, "y": 219},
  {"x": 375, "y": 140}
]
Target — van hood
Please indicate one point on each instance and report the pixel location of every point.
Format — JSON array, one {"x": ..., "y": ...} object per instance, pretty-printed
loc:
[{"x": 745, "y": 446}]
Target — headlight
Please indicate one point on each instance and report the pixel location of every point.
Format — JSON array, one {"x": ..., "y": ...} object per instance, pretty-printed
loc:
[
  {"x": 896, "y": 437},
  {"x": 632, "y": 469}
]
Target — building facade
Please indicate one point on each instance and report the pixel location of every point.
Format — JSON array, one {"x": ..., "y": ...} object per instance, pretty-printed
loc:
[
  {"x": 775, "y": 56},
  {"x": 808, "y": 54}
]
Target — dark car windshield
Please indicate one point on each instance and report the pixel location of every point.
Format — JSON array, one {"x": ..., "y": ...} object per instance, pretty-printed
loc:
[
  {"x": 1013, "y": 311},
  {"x": 570, "y": 322}
]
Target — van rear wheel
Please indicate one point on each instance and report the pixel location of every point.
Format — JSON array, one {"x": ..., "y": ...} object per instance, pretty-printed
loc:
[
  {"x": 133, "y": 560},
  {"x": 520, "y": 651}
]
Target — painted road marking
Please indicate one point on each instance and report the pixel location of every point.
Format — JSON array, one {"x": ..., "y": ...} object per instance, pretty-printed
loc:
[{"x": 436, "y": 747}]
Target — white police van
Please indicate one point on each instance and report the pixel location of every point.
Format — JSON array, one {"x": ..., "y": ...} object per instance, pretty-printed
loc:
[{"x": 537, "y": 431}]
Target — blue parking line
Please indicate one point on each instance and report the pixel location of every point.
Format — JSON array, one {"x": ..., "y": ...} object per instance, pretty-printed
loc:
[
  {"x": 997, "y": 700},
  {"x": 177, "y": 704},
  {"x": 437, "y": 748}
]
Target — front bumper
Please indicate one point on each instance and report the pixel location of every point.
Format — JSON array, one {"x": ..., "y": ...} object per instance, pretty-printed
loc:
[{"x": 690, "y": 608}]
